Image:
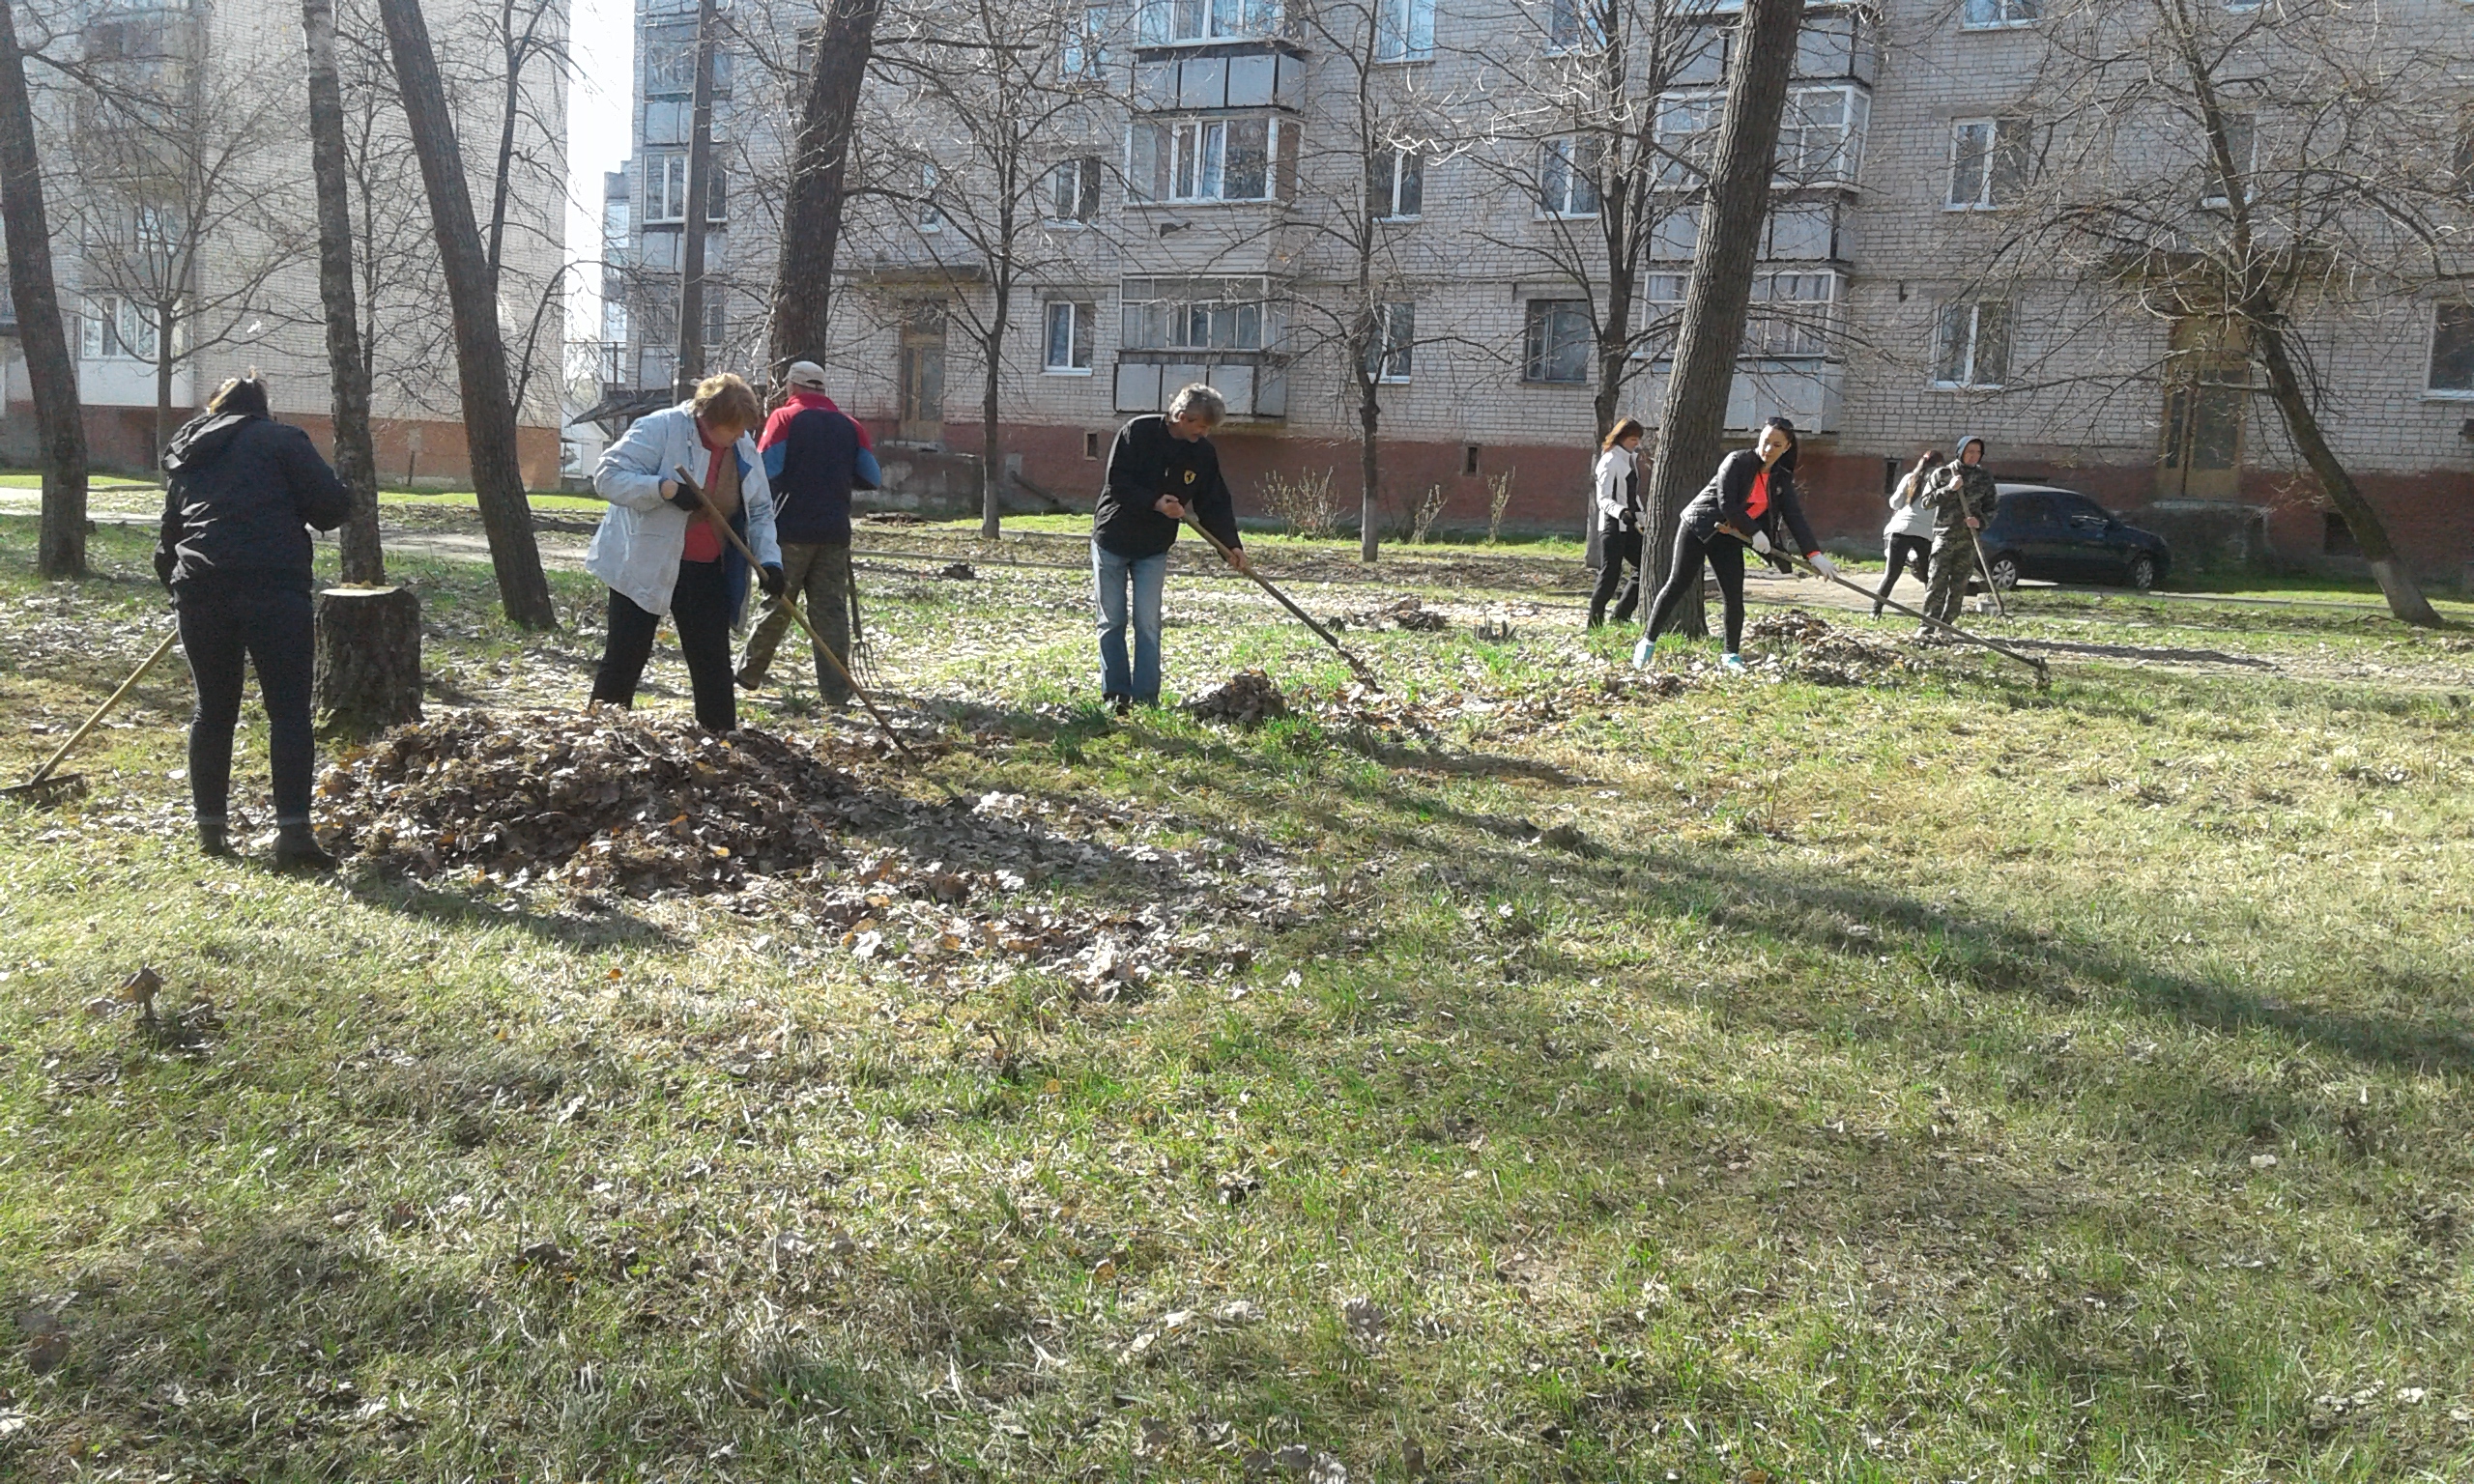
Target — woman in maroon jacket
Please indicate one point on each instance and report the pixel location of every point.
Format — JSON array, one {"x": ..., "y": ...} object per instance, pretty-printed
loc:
[{"x": 1751, "y": 501}]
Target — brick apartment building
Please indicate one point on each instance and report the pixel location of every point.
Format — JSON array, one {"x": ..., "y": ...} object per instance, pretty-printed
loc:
[
  {"x": 1196, "y": 220},
  {"x": 218, "y": 90}
]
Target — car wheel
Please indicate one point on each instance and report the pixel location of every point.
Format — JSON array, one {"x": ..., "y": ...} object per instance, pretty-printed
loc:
[
  {"x": 2143, "y": 572},
  {"x": 2005, "y": 571}
]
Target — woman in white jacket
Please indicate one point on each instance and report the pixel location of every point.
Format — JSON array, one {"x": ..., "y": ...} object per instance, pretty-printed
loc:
[
  {"x": 1909, "y": 535},
  {"x": 1619, "y": 512},
  {"x": 660, "y": 552}
]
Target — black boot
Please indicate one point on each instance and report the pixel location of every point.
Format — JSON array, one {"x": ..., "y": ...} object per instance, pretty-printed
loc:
[
  {"x": 296, "y": 848},
  {"x": 212, "y": 841}
]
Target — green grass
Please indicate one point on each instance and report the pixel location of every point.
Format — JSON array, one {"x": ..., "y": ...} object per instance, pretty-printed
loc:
[{"x": 1932, "y": 1079}]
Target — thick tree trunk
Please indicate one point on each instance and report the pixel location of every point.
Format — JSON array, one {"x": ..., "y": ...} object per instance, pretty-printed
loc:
[
  {"x": 364, "y": 560},
  {"x": 689, "y": 367},
  {"x": 60, "y": 550},
  {"x": 811, "y": 207},
  {"x": 480, "y": 351},
  {"x": 2396, "y": 579},
  {"x": 370, "y": 658},
  {"x": 1692, "y": 427}
]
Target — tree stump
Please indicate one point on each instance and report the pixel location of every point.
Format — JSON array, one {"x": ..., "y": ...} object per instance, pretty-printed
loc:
[{"x": 369, "y": 657}]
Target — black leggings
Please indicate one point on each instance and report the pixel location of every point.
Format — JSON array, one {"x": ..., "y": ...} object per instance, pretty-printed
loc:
[
  {"x": 222, "y": 627},
  {"x": 1616, "y": 548},
  {"x": 699, "y": 607},
  {"x": 1903, "y": 550},
  {"x": 1725, "y": 556}
]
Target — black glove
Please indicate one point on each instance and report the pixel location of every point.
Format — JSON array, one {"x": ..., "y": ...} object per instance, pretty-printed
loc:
[
  {"x": 769, "y": 578},
  {"x": 165, "y": 563},
  {"x": 685, "y": 498}
]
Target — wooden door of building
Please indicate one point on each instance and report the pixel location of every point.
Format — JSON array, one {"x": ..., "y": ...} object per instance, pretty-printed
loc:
[
  {"x": 923, "y": 371},
  {"x": 2208, "y": 397}
]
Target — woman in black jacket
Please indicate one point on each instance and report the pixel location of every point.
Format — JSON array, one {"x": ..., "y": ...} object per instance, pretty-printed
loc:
[
  {"x": 1751, "y": 501},
  {"x": 235, "y": 554}
]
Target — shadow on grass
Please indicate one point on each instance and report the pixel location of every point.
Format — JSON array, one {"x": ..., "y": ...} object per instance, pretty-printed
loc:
[{"x": 451, "y": 907}]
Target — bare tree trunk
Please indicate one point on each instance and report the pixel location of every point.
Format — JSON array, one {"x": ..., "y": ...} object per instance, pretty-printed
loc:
[
  {"x": 991, "y": 437},
  {"x": 365, "y": 560},
  {"x": 812, "y": 207},
  {"x": 689, "y": 368},
  {"x": 2396, "y": 579},
  {"x": 1369, "y": 470},
  {"x": 480, "y": 351},
  {"x": 1692, "y": 427},
  {"x": 60, "y": 550},
  {"x": 164, "y": 425}
]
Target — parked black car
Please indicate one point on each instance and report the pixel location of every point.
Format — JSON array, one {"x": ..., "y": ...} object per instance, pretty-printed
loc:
[{"x": 2061, "y": 535}]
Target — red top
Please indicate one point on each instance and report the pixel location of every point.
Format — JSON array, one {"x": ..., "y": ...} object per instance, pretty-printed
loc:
[
  {"x": 802, "y": 400},
  {"x": 1757, "y": 503},
  {"x": 703, "y": 542}
]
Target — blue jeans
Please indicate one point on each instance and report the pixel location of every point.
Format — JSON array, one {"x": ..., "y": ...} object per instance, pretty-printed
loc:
[{"x": 1147, "y": 575}]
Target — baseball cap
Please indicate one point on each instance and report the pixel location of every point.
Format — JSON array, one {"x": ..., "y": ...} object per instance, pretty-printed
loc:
[{"x": 806, "y": 373}]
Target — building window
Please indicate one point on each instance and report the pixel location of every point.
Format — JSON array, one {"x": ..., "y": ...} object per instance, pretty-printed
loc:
[
  {"x": 1793, "y": 315},
  {"x": 1167, "y": 23},
  {"x": 1572, "y": 25},
  {"x": 1211, "y": 160},
  {"x": 1405, "y": 30},
  {"x": 670, "y": 62},
  {"x": 1393, "y": 336},
  {"x": 1195, "y": 314},
  {"x": 1980, "y": 13},
  {"x": 2452, "y": 349},
  {"x": 1822, "y": 138},
  {"x": 116, "y": 328},
  {"x": 1971, "y": 347},
  {"x": 1085, "y": 56},
  {"x": 716, "y": 317},
  {"x": 1687, "y": 128},
  {"x": 613, "y": 322},
  {"x": 1397, "y": 192},
  {"x": 614, "y": 227},
  {"x": 1074, "y": 190},
  {"x": 1568, "y": 176},
  {"x": 1989, "y": 162},
  {"x": 930, "y": 217},
  {"x": 1069, "y": 328},
  {"x": 2242, "y": 142},
  {"x": 665, "y": 187},
  {"x": 1560, "y": 338}
]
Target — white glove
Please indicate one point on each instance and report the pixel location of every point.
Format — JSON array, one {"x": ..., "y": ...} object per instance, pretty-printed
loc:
[
  {"x": 1823, "y": 564},
  {"x": 1761, "y": 542}
]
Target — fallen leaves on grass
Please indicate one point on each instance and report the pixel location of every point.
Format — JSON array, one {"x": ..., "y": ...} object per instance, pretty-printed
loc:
[
  {"x": 1248, "y": 697},
  {"x": 593, "y": 801},
  {"x": 1819, "y": 652}
]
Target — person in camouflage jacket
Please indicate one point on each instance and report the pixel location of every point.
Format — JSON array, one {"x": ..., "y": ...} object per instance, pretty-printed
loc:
[{"x": 1962, "y": 496}]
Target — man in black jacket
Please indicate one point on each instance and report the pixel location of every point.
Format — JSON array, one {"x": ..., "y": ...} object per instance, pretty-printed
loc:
[
  {"x": 235, "y": 553},
  {"x": 1162, "y": 468}
]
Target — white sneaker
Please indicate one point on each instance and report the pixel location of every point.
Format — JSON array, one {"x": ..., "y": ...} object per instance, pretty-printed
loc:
[{"x": 1731, "y": 662}]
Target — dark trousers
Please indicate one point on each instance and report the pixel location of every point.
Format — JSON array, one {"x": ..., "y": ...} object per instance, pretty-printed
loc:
[
  {"x": 699, "y": 607},
  {"x": 1618, "y": 546},
  {"x": 1904, "y": 550},
  {"x": 1725, "y": 556},
  {"x": 222, "y": 628}
]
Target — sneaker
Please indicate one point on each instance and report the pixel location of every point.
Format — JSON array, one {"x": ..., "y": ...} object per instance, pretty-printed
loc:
[
  {"x": 1731, "y": 663},
  {"x": 296, "y": 848}
]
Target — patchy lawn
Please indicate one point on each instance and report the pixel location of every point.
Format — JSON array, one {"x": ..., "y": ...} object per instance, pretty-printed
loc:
[{"x": 1538, "y": 1072}]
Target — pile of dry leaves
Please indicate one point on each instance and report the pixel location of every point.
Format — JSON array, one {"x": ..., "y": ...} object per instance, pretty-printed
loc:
[
  {"x": 606, "y": 800},
  {"x": 1245, "y": 697},
  {"x": 1812, "y": 649},
  {"x": 1404, "y": 614}
]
